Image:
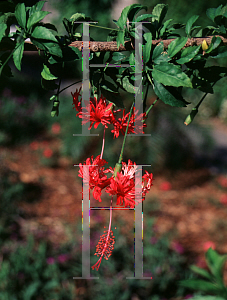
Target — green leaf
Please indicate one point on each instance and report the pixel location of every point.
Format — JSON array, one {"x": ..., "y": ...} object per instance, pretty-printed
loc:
[
  {"x": 46, "y": 74},
  {"x": 188, "y": 54},
  {"x": 108, "y": 86},
  {"x": 129, "y": 12},
  {"x": 120, "y": 38},
  {"x": 144, "y": 17},
  {"x": 158, "y": 51},
  {"x": 176, "y": 45},
  {"x": 77, "y": 16},
  {"x": 189, "y": 24},
  {"x": 171, "y": 75},
  {"x": 51, "y": 284},
  {"x": 159, "y": 55},
  {"x": 122, "y": 21},
  {"x": 201, "y": 272},
  {"x": 147, "y": 47},
  {"x": 134, "y": 9},
  {"x": 36, "y": 17},
  {"x": 128, "y": 87},
  {"x": 119, "y": 56},
  {"x": 43, "y": 33},
  {"x": 68, "y": 54},
  {"x": 37, "y": 7},
  {"x": 132, "y": 59},
  {"x": 72, "y": 53},
  {"x": 213, "y": 12},
  {"x": 52, "y": 48},
  {"x": 222, "y": 52},
  {"x": 159, "y": 11},
  {"x": 20, "y": 14},
  {"x": 2, "y": 30},
  {"x": 200, "y": 285},
  {"x": 215, "y": 42},
  {"x": 17, "y": 56},
  {"x": 168, "y": 95},
  {"x": 31, "y": 290},
  {"x": 165, "y": 27},
  {"x": 216, "y": 263}
]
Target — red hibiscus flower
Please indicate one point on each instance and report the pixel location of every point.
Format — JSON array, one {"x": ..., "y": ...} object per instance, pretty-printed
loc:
[
  {"x": 123, "y": 185},
  {"x": 124, "y": 188},
  {"x": 120, "y": 124},
  {"x": 96, "y": 175},
  {"x": 99, "y": 112}
]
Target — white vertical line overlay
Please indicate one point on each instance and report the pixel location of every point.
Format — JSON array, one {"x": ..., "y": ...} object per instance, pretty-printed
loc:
[
  {"x": 138, "y": 227},
  {"x": 86, "y": 265}
]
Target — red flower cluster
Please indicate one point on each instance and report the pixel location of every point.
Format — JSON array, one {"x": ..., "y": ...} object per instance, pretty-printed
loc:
[
  {"x": 122, "y": 185},
  {"x": 101, "y": 112}
]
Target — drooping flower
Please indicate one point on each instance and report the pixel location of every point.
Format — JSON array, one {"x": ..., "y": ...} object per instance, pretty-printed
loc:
[
  {"x": 124, "y": 185},
  {"x": 99, "y": 112},
  {"x": 120, "y": 125},
  {"x": 135, "y": 124},
  {"x": 96, "y": 176},
  {"x": 124, "y": 188}
]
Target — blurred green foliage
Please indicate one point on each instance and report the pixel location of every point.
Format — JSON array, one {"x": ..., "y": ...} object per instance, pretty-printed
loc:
[
  {"x": 181, "y": 11},
  {"x": 213, "y": 282},
  {"x": 36, "y": 270},
  {"x": 100, "y": 12},
  {"x": 28, "y": 273}
]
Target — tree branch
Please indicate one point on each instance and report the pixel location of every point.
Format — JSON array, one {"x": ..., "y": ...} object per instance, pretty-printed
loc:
[{"x": 112, "y": 46}]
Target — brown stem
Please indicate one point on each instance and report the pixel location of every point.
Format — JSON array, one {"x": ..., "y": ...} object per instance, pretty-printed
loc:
[{"x": 96, "y": 46}]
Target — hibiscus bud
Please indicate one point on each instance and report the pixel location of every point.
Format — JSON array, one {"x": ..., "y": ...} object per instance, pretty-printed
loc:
[
  {"x": 54, "y": 97},
  {"x": 55, "y": 109},
  {"x": 191, "y": 116},
  {"x": 117, "y": 169},
  {"x": 204, "y": 45}
]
